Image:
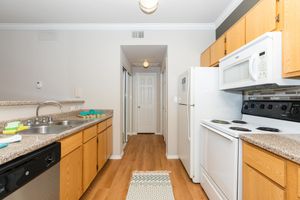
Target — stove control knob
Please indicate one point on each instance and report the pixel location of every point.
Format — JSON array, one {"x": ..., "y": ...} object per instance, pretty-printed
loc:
[
  {"x": 270, "y": 106},
  {"x": 284, "y": 107},
  {"x": 295, "y": 110},
  {"x": 246, "y": 107},
  {"x": 262, "y": 106},
  {"x": 252, "y": 105}
]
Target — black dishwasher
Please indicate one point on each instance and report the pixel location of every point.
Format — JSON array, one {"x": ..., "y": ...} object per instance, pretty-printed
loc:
[{"x": 32, "y": 176}]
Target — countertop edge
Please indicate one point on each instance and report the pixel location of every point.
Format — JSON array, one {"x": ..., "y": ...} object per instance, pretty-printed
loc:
[
  {"x": 49, "y": 139},
  {"x": 286, "y": 151}
]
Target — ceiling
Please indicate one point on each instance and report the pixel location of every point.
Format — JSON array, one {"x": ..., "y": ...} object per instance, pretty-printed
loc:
[
  {"x": 110, "y": 11},
  {"x": 136, "y": 54}
]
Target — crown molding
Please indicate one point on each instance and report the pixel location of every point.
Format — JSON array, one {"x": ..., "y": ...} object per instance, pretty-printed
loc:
[
  {"x": 107, "y": 26},
  {"x": 226, "y": 12}
]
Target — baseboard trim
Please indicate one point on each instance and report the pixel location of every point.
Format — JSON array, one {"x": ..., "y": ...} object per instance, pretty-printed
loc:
[
  {"x": 132, "y": 133},
  {"x": 172, "y": 157},
  {"x": 116, "y": 157},
  {"x": 158, "y": 133}
]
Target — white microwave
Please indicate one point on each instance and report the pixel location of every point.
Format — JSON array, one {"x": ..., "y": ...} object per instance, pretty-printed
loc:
[{"x": 258, "y": 64}]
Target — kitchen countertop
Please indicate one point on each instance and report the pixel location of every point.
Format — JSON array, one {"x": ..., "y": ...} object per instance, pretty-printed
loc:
[
  {"x": 287, "y": 146},
  {"x": 33, "y": 142}
]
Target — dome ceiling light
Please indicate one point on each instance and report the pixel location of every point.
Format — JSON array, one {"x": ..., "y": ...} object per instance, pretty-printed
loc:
[
  {"x": 148, "y": 6},
  {"x": 146, "y": 64}
]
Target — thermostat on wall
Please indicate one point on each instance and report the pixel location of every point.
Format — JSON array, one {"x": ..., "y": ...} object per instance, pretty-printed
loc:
[{"x": 39, "y": 85}]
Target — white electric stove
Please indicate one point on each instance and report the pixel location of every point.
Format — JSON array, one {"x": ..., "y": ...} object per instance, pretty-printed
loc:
[{"x": 221, "y": 147}]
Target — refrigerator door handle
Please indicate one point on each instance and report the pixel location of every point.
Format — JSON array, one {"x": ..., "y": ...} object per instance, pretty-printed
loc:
[
  {"x": 184, "y": 104},
  {"x": 188, "y": 111}
]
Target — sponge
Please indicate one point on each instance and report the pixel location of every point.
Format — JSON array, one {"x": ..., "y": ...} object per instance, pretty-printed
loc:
[{"x": 12, "y": 125}]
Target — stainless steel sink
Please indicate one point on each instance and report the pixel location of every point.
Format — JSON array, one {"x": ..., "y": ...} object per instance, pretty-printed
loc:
[
  {"x": 69, "y": 122},
  {"x": 45, "y": 129},
  {"x": 54, "y": 128}
]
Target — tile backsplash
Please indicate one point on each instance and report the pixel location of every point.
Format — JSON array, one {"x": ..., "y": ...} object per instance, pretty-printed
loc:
[{"x": 291, "y": 93}]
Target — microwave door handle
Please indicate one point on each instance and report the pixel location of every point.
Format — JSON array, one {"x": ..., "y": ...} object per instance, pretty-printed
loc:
[{"x": 252, "y": 67}]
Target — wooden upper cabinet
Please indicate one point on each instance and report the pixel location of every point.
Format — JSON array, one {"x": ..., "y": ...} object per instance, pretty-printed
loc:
[
  {"x": 205, "y": 58},
  {"x": 291, "y": 38},
  {"x": 217, "y": 50},
  {"x": 261, "y": 18},
  {"x": 236, "y": 36}
]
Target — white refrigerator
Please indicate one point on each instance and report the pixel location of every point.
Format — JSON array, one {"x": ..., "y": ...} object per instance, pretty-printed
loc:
[{"x": 199, "y": 98}]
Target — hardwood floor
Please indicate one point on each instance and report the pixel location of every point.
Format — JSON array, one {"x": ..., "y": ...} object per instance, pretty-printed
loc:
[{"x": 143, "y": 153}]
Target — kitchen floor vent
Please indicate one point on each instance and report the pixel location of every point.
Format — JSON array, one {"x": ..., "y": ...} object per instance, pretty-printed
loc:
[{"x": 137, "y": 34}]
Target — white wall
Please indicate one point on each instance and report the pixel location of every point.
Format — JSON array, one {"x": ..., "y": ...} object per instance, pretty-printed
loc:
[{"x": 90, "y": 60}]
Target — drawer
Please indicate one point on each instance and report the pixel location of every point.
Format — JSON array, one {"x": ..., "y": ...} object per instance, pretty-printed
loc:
[
  {"x": 70, "y": 143},
  {"x": 89, "y": 133},
  {"x": 101, "y": 126},
  {"x": 266, "y": 163},
  {"x": 109, "y": 122}
]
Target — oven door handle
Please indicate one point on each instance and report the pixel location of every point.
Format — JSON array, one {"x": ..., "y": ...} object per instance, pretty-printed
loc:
[{"x": 224, "y": 135}]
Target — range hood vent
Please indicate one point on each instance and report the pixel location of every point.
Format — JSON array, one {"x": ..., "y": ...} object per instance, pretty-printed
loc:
[{"x": 137, "y": 34}]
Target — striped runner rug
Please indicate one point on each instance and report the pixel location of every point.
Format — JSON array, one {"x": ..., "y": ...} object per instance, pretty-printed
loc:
[{"x": 150, "y": 185}]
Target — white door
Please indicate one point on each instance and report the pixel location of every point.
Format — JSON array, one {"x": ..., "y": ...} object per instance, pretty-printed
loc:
[
  {"x": 146, "y": 102},
  {"x": 184, "y": 139}
]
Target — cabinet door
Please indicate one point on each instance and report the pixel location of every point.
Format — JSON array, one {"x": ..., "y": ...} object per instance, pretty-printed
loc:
[
  {"x": 217, "y": 50},
  {"x": 257, "y": 187},
  {"x": 71, "y": 175},
  {"x": 89, "y": 162},
  {"x": 205, "y": 58},
  {"x": 261, "y": 19},
  {"x": 102, "y": 149},
  {"x": 236, "y": 36},
  {"x": 109, "y": 142},
  {"x": 291, "y": 38}
]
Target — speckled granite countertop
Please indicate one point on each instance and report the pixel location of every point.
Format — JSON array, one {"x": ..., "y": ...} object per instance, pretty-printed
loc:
[
  {"x": 33, "y": 142},
  {"x": 287, "y": 146}
]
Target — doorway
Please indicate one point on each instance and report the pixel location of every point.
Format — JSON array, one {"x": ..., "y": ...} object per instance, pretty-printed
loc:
[
  {"x": 126, "y": 102},
  {"x": 149, "y": 94}
]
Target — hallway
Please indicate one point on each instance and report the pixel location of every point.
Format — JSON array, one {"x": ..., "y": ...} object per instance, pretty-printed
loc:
[{"x": 143, "y": 153}]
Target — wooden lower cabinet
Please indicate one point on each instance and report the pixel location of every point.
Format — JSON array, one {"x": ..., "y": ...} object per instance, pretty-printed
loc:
[
  {"x": 258, "y": 187},
  {"x": 267, "y": 176},
  {"x": 102, "y": 158},
  {"x": 83, "y": 155},
  {"x": 71, "y": 175},
  {"x": 109, "y": 146},
  {"x": 89, "y": 162}
]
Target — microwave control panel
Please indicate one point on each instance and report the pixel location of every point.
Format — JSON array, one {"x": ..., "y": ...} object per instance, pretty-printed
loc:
[{"x": 262, "y": 68}]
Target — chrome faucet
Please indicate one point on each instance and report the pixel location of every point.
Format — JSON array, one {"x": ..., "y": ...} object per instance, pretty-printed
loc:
[{"x": 46, "y": 103}]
